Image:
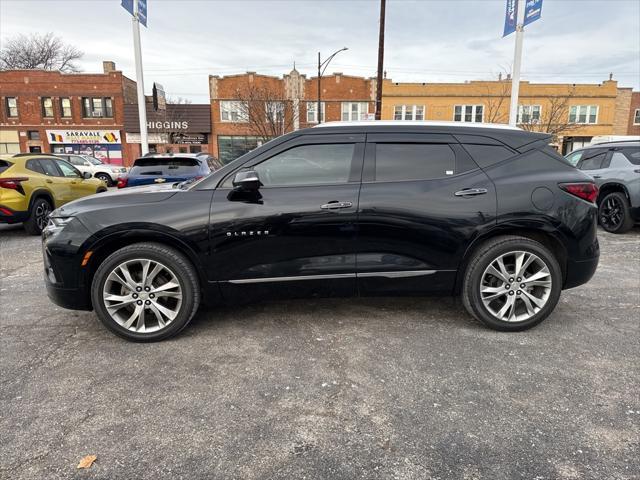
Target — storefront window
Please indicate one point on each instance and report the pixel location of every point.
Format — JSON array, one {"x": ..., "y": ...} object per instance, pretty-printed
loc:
[{"x": 230, "y": 148}]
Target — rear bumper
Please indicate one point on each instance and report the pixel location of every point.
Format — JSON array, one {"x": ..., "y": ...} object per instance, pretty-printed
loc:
[
  {"x": 635, "y": 213},
  {"x": 8, "y": 215},
  {"x": 580, "y": 272}
]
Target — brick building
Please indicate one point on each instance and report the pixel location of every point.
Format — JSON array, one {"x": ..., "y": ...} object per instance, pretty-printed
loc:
[
  {"x": 236, "y": 129},
  {"x": 633, "y": 124},
  {"x": 49, "y": 111}
]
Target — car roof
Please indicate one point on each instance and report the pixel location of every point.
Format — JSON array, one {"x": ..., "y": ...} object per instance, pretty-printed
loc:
[
  {"x": 616, "y": 143},
  {"x": 511, "y": 136}
]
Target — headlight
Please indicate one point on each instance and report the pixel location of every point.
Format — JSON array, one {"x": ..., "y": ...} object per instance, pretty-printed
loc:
[{"x": 56, "y": 224}]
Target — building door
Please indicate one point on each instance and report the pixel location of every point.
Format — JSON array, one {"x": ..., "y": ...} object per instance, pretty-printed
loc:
[{"x": 35, "y": 149}]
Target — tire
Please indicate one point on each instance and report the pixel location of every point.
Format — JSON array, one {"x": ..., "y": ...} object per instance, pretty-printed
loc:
[
  {"x": 614, "y": 214},
  {"x": 527, "y": 312},
  {"x": 101, "y": 190},
  {"x": 38, "y": 213},
  {"x": 175, "y": 269},
  {"x": 105, "y": 178}
]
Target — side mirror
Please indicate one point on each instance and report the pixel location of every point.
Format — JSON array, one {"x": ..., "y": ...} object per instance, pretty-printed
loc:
[
  {"x": 86, "y": 175},
  {"x": 247, "y": 180}
]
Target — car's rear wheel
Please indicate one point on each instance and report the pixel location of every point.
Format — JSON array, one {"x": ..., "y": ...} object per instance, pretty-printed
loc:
[
  {"x": 512, "y": 283},
  {"x": 105, "y": 178},
  {"x": 145, "y": 292},
  {"x": 38, "y": 216},
  {"x": 613, "y": 213}
]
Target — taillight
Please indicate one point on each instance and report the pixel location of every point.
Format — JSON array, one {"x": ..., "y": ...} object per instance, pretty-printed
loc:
[
  {"x": 13, "y": 183},
  {"x": 585, "y": 190},
  {"x": 122, "y": 182}
]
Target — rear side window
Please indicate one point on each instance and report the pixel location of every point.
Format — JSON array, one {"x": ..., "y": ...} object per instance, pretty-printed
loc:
[
  {"x": 4, "y": 165},
  {"x": 34, "y": 166},
  {"x": 165, "y": 166},
  {"x": 49, "y": 167},
  {"x": 413, "y": 161},
  {"x": 633, "y": 154},
  {"x": 592, "y": 160},
  {"x": 487, "y": 155}
]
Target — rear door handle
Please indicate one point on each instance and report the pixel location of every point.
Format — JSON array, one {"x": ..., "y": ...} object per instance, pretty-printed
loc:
[
  {"x": 48, "y": 181},
  {"x": 468, "y": 192},
  {"x": 334, "y": 205}
]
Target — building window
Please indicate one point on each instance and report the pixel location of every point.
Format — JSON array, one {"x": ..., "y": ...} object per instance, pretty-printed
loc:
[
  {"x": 468, "y": 113},
  {"x": 528, "y": 114},
  {"x": 312, "y": 112},
  {"x": 636, "y": 117},
  {"x": 47, "y": 106},
  {"x": 274, "y": 112},
  {"x": 97, "y": 107},
  {"x": 231, "y": 147},
  {"x": 33, "y": 135},
  {"x": 65, "y": 107},
  {"x": 408, "y": 112},
  {"x": 583, "y": 114},
  {"x": 355, "y": 111},
  {"x": 233, "y": 111},
  {"x": 12, "y": 107}
]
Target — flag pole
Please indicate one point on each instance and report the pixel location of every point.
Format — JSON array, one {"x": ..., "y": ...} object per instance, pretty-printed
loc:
[
  {"x": 517, "y": 61},
  {"x": 142, "y": 106}
]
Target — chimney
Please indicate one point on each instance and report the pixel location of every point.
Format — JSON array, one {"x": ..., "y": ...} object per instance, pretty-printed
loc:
[
  {"x": 108, "y": 66},
  {"x": 611, "y": 76}
]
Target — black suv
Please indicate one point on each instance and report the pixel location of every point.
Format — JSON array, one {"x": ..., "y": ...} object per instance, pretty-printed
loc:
[{"x": 370, "y": 208}]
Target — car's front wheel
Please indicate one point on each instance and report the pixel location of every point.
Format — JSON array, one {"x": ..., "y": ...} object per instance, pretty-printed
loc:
[
  {"x": 145, "y": 292},
  {"x": 512, "y": 283}
]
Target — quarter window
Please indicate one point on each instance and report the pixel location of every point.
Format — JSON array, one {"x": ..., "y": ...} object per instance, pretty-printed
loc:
[
  {"x": 312, "y": 112},
  {"x": 355, "y": 111},
  {"x": 12, "y": 107},
  {"x": 233, "y": 111},
  {"x": 583, "y": 114},
  {"x": 633, "y": 154},
  {"x": 529, "y": 114},
  {"x": 468, "y": 113},
  {"x": 487, "y": 155},
  {"x": 308, "y": 165},
  {"x": 47, "y": 107},
  {"x": 408, "y": 112},
  {"x": 406, "y": 161},
  {"x": 65, "y": 107}
]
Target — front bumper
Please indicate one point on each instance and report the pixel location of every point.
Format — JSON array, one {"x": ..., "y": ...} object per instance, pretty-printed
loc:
[{"x": 71, "y": 298}]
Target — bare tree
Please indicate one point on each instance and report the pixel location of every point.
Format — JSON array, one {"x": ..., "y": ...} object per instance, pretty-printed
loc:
[
  {"x": 497, "y": 102},
  {"x": 36, "y": 51},
  {"x": 266, "y": 110},
  {"x": 554, "y": 117}
]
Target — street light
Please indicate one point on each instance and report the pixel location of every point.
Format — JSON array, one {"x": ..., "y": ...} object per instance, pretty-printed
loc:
[{"x": 322, "y": 66}]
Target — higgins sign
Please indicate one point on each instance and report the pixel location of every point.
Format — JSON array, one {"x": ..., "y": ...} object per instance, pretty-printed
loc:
[{"x": 83, "y": 136}]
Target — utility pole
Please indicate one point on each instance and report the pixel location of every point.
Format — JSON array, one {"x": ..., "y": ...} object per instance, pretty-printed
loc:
[
  {"x": 142, "y": 107},
  {"x": 517, "y": 61},
  {"x": 380, "y": 61},
  {"x": 321, "y": 70}
]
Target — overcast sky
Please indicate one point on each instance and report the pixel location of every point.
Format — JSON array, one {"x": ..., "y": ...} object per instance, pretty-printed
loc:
[{"x": 577, "y": 41}]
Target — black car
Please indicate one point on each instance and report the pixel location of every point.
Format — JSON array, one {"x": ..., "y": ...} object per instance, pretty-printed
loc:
[{"x": 369, "y": 208}]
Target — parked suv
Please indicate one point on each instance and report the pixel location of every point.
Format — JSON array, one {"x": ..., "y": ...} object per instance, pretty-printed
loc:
[
  {"x": 370, "y": 208},
  {"x": 85, "y": 163},
  {"x": 165, "y": 168},
  {"x": 615, "y": 167}
]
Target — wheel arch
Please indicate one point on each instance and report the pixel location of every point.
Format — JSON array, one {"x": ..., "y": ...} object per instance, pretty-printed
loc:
[
  {"x": 549, "y": 240},
  {"x": 41, "y": 193},
  {"x": 610, "y": 187}
]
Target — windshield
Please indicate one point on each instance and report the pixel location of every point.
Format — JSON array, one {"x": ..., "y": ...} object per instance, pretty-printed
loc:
[{"x": 165, "y": 166}]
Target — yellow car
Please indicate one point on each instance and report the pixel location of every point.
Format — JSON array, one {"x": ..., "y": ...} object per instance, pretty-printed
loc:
[{"x": 31, "y": 186}]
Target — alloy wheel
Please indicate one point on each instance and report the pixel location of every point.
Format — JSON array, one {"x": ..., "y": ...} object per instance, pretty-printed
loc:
[
  {"x": 42, "y": 213},
  {"x": 611, "y": 213},
  {"x": 142, "y": 295},
  {"x": 515, "y": 286}
]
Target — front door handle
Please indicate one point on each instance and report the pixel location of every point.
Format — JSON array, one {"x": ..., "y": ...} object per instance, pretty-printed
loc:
[
  {"x": 597, "y": 176},
  {"x": 469, "y": 192},
  {"x": 334, "y": 205}
]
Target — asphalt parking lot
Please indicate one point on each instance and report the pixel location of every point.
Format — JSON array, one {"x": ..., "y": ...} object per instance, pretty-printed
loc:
[{"x": 324, "y": 389}]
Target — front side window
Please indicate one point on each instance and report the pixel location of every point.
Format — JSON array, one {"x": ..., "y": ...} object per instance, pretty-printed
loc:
[
  {"x": 592, "y": 160},
  {"x": 65, "y": 107},
  {"x": 67, "y": 170},
  {"x": 12, "y": 107},
  {"x": 308, "y": 165},
  {"x": 413, "y": 161},
  {"x": 529, "y": 113},
  {"x": 408, "y": 112},
  {"x": 97, "y": 107},
  {"x": 312, "y": 112},
  {"x": 233, "y": 111},
  {"x": 47, "y": 107},
  {"x": 468, "y": 113},
  {"x": 354, "y": 111},
  {"x": 583, "y": 114}
]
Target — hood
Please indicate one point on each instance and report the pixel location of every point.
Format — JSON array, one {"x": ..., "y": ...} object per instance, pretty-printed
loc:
[{"x": 118, "y": 198}]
